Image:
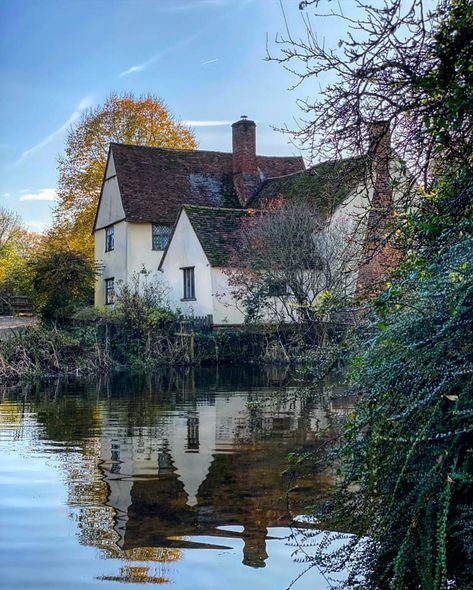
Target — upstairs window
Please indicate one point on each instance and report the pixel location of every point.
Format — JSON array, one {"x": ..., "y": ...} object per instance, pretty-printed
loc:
[
  {"x": 189, "y": 283},
  {"x": 109, "y": 291},
  {"x": 161, "y": 235},
  {"x": 109, "y": 238}
]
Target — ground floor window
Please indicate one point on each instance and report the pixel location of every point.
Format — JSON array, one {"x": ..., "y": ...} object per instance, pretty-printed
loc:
[
  {"x": 189, "y": 282},
  {"x": 278, "y": 288},
  {"x": 109, "y": 291}
]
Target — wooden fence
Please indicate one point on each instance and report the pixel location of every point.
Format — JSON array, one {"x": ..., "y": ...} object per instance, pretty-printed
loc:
[
  {"x": 203, "y": 323},
  {"x": 15, "y": 305}
]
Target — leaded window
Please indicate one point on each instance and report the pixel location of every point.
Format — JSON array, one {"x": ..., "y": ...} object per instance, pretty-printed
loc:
[
  {"x": 109, "y": 238},
  {"x": 109, "y": 291},
  {"x": 161, "y": 235}
]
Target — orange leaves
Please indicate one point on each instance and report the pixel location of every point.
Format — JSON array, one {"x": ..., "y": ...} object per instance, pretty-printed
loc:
[{"x": 122, "y": 118}]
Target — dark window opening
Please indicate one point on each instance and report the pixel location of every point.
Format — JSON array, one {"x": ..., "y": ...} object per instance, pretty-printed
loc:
[
  {"x": 109, "y": 291},
  {"x": 189, "y": 283},
  {"x": 161, "y": 235},
  {"x": 193, "y": 432},
  {"x": 278, "y": 289},
  {"x": 109, "y": 238}
]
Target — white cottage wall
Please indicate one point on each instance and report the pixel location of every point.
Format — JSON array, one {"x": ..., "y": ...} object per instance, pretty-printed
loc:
[
  {"x": 226, "y": 311},
  {"x": 185, "y": 251},
  {"x": 111, "y": 207},
  {"x": 113, "y": 263},
  {"x": 140, "y": 251}
]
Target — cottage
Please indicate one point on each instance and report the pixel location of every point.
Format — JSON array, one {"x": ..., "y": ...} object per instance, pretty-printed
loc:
[
  {"x": 144, "y": 189},
  {"x": 178, "y": 211},
  {"x": 194, "y": 263}
]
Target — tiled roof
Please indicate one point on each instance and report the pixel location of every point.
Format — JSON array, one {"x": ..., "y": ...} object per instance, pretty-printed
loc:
[
  {"x": 155, "y": 182},
  {"x": 326, "y": 185},
  {"x": 217, "y": 230}
]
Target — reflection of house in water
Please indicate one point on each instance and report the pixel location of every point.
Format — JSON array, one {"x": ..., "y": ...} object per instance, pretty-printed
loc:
[{"x": 210, "y": 461}]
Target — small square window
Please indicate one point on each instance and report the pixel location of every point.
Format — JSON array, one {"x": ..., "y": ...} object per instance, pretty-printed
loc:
[
  {"x": 278, "y": 288},
  {"x": 189, "y": 283},
  {"x": 161, "y": 235},
  {"x": 109, "y": 238},
  {"x": 109, "y": 291}
]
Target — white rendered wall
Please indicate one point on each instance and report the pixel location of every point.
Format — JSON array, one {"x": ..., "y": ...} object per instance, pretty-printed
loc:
[
  {"x": 113, "y": 263},
  {"x": 140, "y": 250},
  {"x": 111, "y": 207},
  {"x": 185, "y": 250},
  {"x": 224, "y": 304}
]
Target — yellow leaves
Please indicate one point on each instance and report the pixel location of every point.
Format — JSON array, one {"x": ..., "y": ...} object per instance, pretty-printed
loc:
[
  {"x": 124, "y": 118},
  {"x": 456, "y": 277}
]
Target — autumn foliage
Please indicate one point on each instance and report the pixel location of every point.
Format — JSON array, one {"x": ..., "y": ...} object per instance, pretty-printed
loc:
[{"x": 122, "y": 118}]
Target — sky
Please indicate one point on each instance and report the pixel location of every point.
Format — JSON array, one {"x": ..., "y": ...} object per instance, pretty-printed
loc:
[{"x": 204, "y": 58}]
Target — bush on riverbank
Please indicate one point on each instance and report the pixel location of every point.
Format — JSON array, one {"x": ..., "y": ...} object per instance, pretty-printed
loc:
[
  {"x": 405, "y": 460},
  {"x": 101, "y": 342},
  {"x": 42, "y": 351}
]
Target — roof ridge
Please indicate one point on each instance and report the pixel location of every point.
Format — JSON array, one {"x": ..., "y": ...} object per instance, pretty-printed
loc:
[
  {"x": 280, "y": 157},
  {"x": 193, "y": 151},
  {"x": 308, "y": 170},
  {"x": 233, "y": 209},
  {"x": 163, "y": 149}
]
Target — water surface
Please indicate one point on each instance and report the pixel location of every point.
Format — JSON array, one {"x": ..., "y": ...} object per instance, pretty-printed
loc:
[{"x": 179, "y": 479}]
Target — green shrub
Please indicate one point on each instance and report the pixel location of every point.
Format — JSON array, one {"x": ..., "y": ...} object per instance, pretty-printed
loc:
[
  {"x": 406, "y": 456},
  {"x": 62, "y": 281}
]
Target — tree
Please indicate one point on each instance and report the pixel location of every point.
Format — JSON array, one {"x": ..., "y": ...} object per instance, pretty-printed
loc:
[
  {"x": 291, "y": 262},
  {"x": 405, "y": 489},
  {"x": 10, "y": 227},
  {"x": 62, "y": 281},
  {"x": 16, "y": 245},
  {"x": 124, "y": 119},
  {"x": 396, "y": 63}
]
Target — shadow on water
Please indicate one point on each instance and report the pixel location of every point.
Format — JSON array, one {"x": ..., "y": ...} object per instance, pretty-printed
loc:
[{"x": 155, "y": 465}]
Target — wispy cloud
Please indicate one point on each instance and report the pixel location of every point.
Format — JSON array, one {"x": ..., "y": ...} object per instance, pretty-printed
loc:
[
  {"x": 188, "y": 5},
  {"x": 206, "y": 123},
  {"x": 140, "y": 67},
  {"x": 143, "y": 66},
  {"x": 44, "y": 194},
  {"x": 84, "y": 104},
  {"x": 210, "y": 61}
]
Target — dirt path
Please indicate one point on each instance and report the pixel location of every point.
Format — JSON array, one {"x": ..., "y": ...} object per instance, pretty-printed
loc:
[{"x": 9, "y": 323}]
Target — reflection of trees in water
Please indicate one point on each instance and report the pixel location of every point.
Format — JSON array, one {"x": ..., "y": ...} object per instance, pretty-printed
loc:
[
  {"x": 98, "y": 422},
  {"x": 138, "y": 575}
]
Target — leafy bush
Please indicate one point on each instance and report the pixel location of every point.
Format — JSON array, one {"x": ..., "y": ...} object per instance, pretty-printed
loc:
[
  {"x": 142, "y": 323},
  {"x": 62, "y": 281},
  {"x": 46, "y": 351},
  {"x": 406, "y": 455}
]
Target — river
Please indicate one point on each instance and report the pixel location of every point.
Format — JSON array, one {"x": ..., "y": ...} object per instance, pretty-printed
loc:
[{"x": 179, "y": 479}]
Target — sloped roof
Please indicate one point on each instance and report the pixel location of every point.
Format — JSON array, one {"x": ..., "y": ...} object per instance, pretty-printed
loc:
[
  {"x": 217, "y": 230},
  {"x": 326, "y": 185},
  {"x": 155, "y": 182}
]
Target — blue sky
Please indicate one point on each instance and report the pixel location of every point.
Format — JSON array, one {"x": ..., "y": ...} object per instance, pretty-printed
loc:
[{"x": 204, "y": 58}]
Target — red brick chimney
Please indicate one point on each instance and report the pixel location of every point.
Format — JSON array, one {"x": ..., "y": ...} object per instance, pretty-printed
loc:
[
  {"x": 379, "y": 152},
  {"x": 376, "y": 256},
  {"x": 246, "y": 177}
]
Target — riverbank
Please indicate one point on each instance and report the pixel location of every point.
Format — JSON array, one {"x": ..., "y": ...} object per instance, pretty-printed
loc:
[
  {"x": 11, "y": 325},
  {"x": 96, "y": 348}
]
